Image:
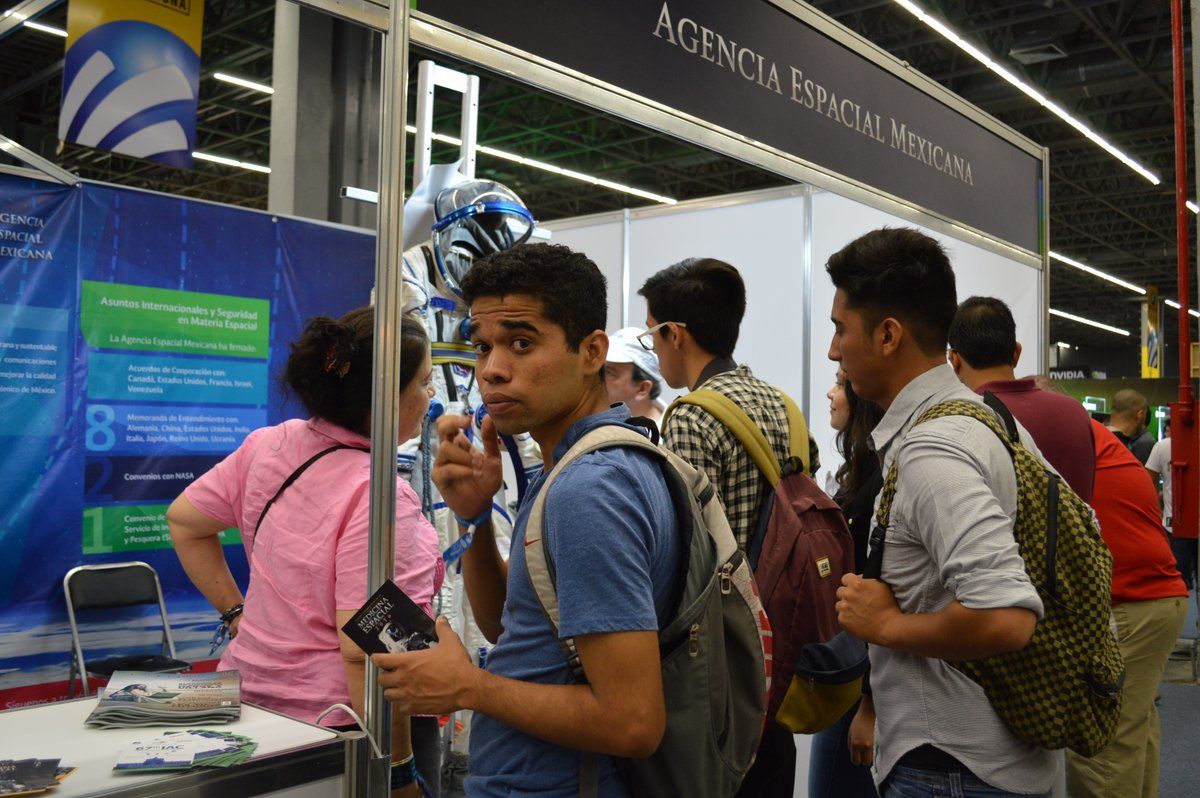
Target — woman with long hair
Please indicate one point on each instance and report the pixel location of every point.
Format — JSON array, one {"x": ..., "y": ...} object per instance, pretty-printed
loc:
[
  {"x": 299, "y": 493},
  {"x": 841, "y": 755}
]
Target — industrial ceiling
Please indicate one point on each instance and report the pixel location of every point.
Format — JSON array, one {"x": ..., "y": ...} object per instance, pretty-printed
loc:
[{"x": 1108, "y": 62}]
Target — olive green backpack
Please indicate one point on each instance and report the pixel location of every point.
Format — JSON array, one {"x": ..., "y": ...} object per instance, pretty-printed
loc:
[{"x": 1063, "y": 689}]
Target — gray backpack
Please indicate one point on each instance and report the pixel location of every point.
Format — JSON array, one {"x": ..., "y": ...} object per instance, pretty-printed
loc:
[{"x": 715, "y": 644}]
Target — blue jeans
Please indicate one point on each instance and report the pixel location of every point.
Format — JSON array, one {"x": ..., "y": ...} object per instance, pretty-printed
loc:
[
  {"x": 905, "y": 782},
  {"x": 830, "y": 772}
]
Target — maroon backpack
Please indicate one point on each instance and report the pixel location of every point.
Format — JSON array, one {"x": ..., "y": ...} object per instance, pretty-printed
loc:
[{"x": 799, "y": 552}]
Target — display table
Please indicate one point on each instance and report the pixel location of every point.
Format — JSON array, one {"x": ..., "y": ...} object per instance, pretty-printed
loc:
[{"x": 292, "y": 758}]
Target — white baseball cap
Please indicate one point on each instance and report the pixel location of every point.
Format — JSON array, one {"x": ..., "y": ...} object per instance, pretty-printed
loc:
[{"x": 623, "y": 347}]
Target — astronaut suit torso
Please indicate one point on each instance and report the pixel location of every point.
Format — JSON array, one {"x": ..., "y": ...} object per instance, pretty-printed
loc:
[{"x": 456, "y": 392}]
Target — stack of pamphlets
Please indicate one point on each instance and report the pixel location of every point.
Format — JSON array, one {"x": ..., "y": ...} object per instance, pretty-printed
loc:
[
  {"x": 133, "y": 698},
  {"x": 185, "y": 749},
  {"x": 30, "y": 776}
]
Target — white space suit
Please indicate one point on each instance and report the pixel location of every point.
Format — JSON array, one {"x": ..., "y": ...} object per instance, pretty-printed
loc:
[{"x": 473, "y": 219}]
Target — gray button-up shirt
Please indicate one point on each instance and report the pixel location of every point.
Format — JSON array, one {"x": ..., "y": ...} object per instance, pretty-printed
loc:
[{"x": 950, "y": 538}]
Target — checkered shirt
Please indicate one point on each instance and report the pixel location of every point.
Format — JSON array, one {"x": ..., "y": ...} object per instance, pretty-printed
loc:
[{"x": 693, "y": 434}]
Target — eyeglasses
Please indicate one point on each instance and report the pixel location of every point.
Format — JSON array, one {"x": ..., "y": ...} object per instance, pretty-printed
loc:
[{"x": 646, "y": 339}]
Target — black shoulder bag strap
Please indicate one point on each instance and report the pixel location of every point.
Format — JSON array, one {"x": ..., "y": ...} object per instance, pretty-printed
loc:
[
  {"x": 287, "y": 483},
  {"x": 1010, "y": 424}
]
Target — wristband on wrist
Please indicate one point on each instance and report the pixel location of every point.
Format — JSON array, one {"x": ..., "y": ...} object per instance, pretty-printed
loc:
[
  {"x": 405, "y": 773},
  {"x": 479, "y": 521},
  {"x": 227, "y": 618}
]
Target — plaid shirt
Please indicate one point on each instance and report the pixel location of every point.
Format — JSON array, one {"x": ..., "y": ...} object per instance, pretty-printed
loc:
[{"x": 697, "y": 437}]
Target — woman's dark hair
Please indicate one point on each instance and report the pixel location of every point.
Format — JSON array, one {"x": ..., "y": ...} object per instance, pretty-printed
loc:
[
  {"x": 859, "y": 460},
  {"x": 329, "y": 368}
]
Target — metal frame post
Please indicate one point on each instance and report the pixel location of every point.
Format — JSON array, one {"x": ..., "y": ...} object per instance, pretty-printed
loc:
[
  {"x": 430, "y": 77},
  {"x": 386, "y": 390},
  {"x": 1185, "y": 493},
  {"x": 1046, "y": 344}
]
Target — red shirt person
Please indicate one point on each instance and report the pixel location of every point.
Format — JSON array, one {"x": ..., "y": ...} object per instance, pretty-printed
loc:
[
  {"x": 1126, "y": 504},
  {"x": 1149, "y": 606},
  {"x": 984, "y": 352}
]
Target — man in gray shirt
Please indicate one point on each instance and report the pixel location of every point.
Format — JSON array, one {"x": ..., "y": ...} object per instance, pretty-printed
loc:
[{"x": 953, "y": 585}]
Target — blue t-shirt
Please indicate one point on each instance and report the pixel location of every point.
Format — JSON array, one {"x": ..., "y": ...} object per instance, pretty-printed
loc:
[{"x": 614, "y": 539}]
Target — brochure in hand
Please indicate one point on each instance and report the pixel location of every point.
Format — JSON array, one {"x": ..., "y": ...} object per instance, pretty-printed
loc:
[
  {"x": 31, "y": 776},
  {"x": 134, "y": 698},
  {"x": 390, "y": 622},
  {"x": 185, "y": 749}
]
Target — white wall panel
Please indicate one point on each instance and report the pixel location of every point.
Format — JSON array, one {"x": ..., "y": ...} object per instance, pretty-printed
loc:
[
  {"x": 603, "y": 242},
  {"x": 836, "y": 222},
  {"x": 764, "y": 240}
]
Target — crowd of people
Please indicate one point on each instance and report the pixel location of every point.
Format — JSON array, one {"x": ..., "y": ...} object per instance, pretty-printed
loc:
[{"x": 953, "y": 585}]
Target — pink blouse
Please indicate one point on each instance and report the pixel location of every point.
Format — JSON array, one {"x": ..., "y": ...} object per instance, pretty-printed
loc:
[{"x": 308, "y": 560}]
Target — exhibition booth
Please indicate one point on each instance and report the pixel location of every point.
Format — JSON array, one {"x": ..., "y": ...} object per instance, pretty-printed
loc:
[{"x": 864, "y": 141}]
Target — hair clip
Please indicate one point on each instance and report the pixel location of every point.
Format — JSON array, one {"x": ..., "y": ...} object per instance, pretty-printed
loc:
[{"x": 332, "y": 364}]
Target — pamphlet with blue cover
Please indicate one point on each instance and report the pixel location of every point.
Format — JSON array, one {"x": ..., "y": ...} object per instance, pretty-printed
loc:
[{"x": 135, "y": 698}]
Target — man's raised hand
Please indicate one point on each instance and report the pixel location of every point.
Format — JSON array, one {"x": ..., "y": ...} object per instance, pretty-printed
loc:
[{"x": 467, "y": 478}]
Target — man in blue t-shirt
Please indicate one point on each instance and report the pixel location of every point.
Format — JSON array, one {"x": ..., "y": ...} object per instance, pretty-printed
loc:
[{"x": 611, "y": 533}]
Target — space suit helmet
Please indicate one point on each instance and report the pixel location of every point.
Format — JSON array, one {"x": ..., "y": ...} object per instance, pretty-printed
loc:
[{"x": 473, "y": 220}]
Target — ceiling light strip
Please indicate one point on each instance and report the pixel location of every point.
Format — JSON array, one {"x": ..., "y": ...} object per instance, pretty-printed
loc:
[
  {"x": 1089, "y": 322},
  {"x": 1191, "y": 311},
  {"x": 224, "y": 161},
  {"x": 38, "y": 26},
  {"x": 1026, "y": 89},
  {"x": 556, "y": 170},
  {"x": 243, "y": 82},
  {"x": 1116, "y": 280},
  {"x": 1097, "y": 273}
]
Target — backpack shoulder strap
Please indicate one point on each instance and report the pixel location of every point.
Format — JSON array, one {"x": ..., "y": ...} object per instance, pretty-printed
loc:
[
  {"x": 541, "y": 569},
  {"x": 734, "y": 418},
  {"x": 954, "y": 407},
  {"x": 537, "y": 561},
  {"x": 797, "y": 434}
]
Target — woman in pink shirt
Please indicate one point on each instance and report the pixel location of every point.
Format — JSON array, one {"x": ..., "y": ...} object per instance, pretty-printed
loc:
[{"x": 308, "y": 555}]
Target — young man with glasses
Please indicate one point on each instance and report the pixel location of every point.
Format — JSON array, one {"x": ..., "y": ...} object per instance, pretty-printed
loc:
[{"x": 694, "y": 313}]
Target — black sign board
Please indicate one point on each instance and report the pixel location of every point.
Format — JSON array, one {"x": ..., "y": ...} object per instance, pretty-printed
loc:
[{"x": 752, "y": 68}]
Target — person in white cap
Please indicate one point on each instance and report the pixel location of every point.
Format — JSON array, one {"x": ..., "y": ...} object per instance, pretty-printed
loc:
[{"x": 632, "y": 376}]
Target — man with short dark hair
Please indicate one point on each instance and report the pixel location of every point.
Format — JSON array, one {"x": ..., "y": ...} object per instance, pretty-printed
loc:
[
  {"x": 537, "y": 319},
  {"x": 631, "y": 374},
  {"x": 694, "y": 314},
  {"x": 984, "y": 352},
  {"x": 1130, "y": 414},
  {"x": 953, "y": 584}
]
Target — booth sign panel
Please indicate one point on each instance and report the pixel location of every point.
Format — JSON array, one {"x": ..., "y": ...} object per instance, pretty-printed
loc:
[{"x": 756, "y": 70}]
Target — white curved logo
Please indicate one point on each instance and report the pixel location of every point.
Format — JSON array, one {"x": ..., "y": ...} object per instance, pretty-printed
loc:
[{"x": 125, "y": 102}]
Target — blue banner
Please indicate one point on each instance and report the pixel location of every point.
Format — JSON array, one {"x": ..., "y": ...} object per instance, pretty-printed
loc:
[{"x": 140, "y": 340}]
